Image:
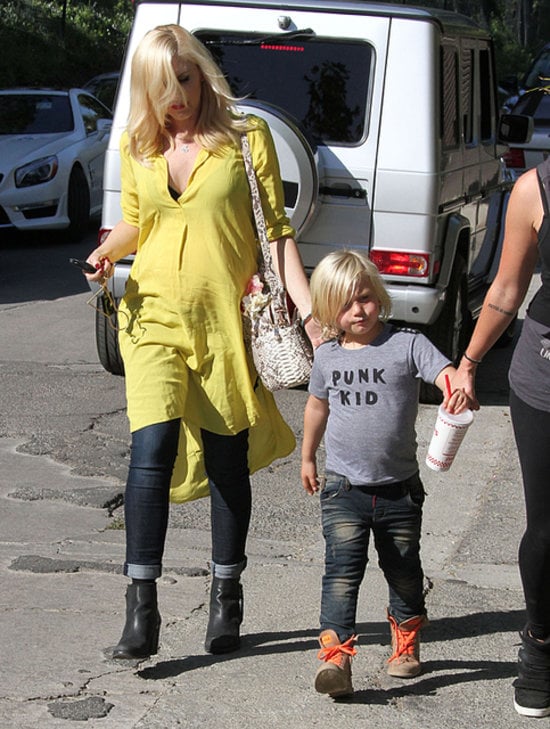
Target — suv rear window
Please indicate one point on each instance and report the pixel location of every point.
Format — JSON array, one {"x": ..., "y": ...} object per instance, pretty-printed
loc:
[{"x": 322, "y": 84}]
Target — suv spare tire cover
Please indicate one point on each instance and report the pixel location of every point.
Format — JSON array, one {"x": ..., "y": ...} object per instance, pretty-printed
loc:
[{"x": 296, "y": 160}]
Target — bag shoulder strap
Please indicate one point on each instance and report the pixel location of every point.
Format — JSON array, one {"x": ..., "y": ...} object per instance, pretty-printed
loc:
[{"x": 266, "y": 262}]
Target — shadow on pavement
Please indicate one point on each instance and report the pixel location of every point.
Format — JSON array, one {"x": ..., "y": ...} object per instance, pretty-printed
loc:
[
  {"x": 449, "y": 673},
  {"x": 444, "y": 629},
  {"x": 35, "y": 267}
]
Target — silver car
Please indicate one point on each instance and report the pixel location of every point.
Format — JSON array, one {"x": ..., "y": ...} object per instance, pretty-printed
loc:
[
  {"x": 521, "y": 157},
  {"x": 52, "y": 152}
]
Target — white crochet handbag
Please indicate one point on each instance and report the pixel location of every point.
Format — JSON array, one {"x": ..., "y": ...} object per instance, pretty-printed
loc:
[{"x": 281, "y": 349}]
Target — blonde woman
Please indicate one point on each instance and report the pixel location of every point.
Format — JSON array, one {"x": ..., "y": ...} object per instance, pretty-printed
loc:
[
  {"x": 364, "y": 392},
  {"x": 201, "y": 421}
]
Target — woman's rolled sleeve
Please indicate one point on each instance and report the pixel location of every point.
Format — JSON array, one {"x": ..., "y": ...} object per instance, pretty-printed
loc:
[
  {"x": 266, "y": 165},
  {"x": 128, "y": 194}
]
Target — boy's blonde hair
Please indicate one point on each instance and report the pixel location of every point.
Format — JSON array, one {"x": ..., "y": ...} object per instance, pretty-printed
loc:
[
  {"x": 154, "y": 86},
  {"x": 335, "y": 280}
]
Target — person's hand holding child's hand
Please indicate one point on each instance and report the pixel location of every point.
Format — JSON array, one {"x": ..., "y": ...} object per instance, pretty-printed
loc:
[
  {"x": 455, "y": 400},
  {"x": 457, "y": 403}
]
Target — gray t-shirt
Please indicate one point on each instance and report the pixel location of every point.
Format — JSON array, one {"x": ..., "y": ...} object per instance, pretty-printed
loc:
[{"x": 372, "y": 394}]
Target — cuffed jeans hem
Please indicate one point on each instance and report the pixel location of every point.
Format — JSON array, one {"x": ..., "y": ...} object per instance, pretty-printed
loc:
[
  {"x": 227, "y": 571},
  {"x": 143, "y": 571},
  {"x": 401, "y": 617},
  {"x": 342, "y": 633}
]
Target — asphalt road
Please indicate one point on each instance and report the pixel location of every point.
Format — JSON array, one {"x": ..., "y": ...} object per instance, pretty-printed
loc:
[
  {"x": 55, "y": 395},
  {"x": 57, "y": 403}
]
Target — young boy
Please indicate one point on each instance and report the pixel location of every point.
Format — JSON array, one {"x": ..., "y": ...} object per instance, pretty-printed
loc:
[{"x": 364, "y": 392}]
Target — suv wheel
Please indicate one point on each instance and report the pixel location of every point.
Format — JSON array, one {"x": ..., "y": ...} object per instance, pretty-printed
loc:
[
  {"x": 451, "y": 331},
  {"x": 106, "y": 337},
  {"x": 296, "y": 160}
]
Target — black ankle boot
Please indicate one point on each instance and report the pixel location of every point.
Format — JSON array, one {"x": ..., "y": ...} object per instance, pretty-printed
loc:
[
  {"x": 140, "y": 637},
  {"x": 226, "y": 615}
]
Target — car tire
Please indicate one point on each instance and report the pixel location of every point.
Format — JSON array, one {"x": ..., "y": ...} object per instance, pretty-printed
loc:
[
  {"x": 451, "y": 332},
  {"x": 106, "y": 337},
  {"x": 78, "y": 203}
]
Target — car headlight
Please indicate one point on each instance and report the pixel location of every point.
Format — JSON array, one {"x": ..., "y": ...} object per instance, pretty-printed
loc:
[{"x": 41, "y": 170}]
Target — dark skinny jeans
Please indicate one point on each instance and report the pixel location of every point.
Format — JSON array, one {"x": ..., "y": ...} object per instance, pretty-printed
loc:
[
  {"x": 146, "y": 503},
  {"x": 531, "y": 429},
  {"x": 393, "y": 514}
]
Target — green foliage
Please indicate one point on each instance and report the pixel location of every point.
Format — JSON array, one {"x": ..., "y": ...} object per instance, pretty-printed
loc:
[
  {"x": 65, "y": 42},
  {"x": 512, "y": 60},
  {"x": 117, "y": 523},
  {"x": 56, "y": 44},
  {"x": 519, "y": 27}
]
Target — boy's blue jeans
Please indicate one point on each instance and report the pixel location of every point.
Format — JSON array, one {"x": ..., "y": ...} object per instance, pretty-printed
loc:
[{"x": 394, "y": 515}]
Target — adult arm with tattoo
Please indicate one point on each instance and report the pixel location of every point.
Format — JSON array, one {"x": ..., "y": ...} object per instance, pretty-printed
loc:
[{"x": 517, "y": 264}]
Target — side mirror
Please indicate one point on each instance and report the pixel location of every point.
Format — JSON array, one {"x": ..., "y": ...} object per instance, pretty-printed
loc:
[
  {"x": 515, "y": 129},
  {"x": 104, "y": 127}
]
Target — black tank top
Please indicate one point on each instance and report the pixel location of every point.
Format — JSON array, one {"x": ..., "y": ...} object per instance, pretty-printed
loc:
[{"x": 539, "y": 308}]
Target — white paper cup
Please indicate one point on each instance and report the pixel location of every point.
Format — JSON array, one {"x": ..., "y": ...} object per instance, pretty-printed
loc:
[{"x": 449, "y": 432}]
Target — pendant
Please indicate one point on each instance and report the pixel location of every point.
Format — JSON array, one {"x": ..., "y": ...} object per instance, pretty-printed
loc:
[{"x": 184, "y": 148}]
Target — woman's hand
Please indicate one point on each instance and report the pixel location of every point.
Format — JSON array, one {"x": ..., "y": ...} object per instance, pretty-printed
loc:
[
  {"x": 104, "y": 267},
  {"x": 313, "y": 330},
  {"x": 463, "y": 379},
  {"x": 121, "y": 242},
  {"x": 458, "y": 402},
  {"x": 456, "y": 398}
]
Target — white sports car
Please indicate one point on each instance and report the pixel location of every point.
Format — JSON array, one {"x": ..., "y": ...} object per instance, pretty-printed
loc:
[{"x": 52, "y": 151}]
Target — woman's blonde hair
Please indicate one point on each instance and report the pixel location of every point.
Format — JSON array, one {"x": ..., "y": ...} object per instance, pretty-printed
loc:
[
  {"x": 154, "y": 86},
  {"x": 336, "y": 279}
]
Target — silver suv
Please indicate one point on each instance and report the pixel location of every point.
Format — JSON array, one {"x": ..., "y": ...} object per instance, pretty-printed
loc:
[{"x": 385, "y": 122}]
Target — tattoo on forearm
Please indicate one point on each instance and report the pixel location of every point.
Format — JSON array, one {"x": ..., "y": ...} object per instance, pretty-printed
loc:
[{"x": 500, "y": 311}]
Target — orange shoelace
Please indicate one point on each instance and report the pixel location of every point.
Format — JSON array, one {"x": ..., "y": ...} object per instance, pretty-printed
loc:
[
  {"x": 405, "y": 640},
  {"x": 335, "y": 653}
]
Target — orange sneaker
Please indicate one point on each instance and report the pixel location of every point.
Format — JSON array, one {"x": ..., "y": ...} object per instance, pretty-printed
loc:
[
  {"x": 405, "y": 640},
  {"x": 334, "y": 676}
]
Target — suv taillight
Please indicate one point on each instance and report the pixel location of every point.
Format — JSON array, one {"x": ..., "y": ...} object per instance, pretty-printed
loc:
[
  {"x": 103, "y": 233},
  {"x": 514, "y": 158},
  {"x": 396, "y": 263}
]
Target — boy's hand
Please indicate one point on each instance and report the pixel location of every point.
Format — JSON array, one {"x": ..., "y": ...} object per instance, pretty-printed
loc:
[
  {"x": 455, "y": 400},
  {"x": 310, "y": 481},
  {"x": 458, "y": 402}
]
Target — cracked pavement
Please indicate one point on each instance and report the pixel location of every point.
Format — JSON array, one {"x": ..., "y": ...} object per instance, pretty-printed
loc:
[{"x": 63, "y": 458}]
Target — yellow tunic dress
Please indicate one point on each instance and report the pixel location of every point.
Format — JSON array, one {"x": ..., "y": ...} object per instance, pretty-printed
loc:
[{"x": 183, "y": 348}]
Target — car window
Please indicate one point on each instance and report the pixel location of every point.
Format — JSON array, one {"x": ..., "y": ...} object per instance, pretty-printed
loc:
[
  {"x": 487, "y": 120},
  {"x": 104, "y": 90},
  {"x": 542, "y": 113},
  {"x": 35, "y": 114},
  {"x": 535, "y": 104},
  {"x": 539, "y": 74},
  {"x": 449, "y": 97},
  {"x": 467, "y": 90},
  {"x": 91, "y": 111},
  {"x": 322, "y": 84}
]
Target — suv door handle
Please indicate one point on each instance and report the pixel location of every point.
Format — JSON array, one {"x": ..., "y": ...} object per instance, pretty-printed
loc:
[{"x": 358, "y": 193}]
